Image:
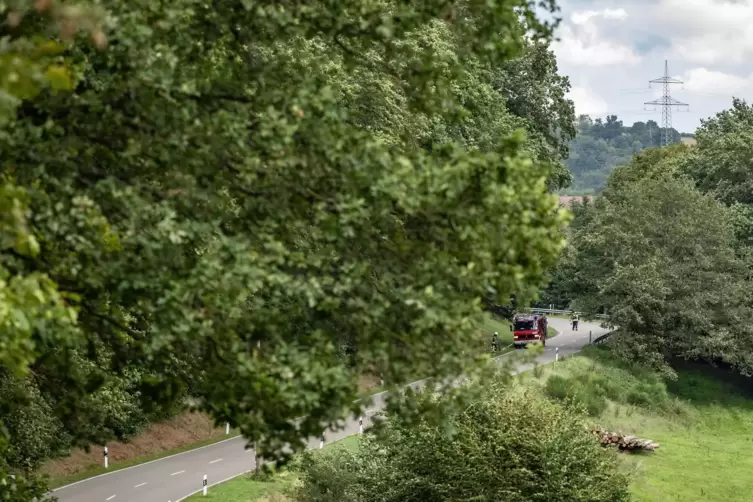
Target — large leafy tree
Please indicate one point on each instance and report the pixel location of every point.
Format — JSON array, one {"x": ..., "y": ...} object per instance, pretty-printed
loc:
[
  {"x": 535, "y": 91},
  {"x": 647, "y": 167},
  {"x": 231, "y": 191},
  {"x": 645, "y": 256},
  {"x": 31, "y": 307},
  {"x": 720, "y": 163}
]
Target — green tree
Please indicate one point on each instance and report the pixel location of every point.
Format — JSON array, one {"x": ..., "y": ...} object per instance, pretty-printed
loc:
[
  {"x": 233, "y": 191},
  {"x": 535, "y": 91},
  {"x": 650, "y": 166},
  {"x": 508, "y": 446},
  {"x": 720, "y": 163},
  {"x": 646, "y": 256},
  {"x": 32, "y": 310}
]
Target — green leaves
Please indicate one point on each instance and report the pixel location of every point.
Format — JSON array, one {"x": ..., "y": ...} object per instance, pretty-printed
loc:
[
  {"x": 665, "y": 252},
  {"x": 507, "y": 445},
  {"x": 647, "y": 257},
  {"x": 233, "y": 197},
  {"x": 719, "y": 163}
]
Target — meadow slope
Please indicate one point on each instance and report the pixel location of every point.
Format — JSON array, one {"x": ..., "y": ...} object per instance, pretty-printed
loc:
[{"x": 703, "y": 421}]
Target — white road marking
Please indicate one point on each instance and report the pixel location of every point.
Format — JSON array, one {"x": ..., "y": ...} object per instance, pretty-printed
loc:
[
  {"x": 215, "y": 461},
  {"x": 176, "y": 473},
  {"x": 141, "y": 484},
  {"x": 118, "y": 471},
  {"x": 110, "y": 497}
]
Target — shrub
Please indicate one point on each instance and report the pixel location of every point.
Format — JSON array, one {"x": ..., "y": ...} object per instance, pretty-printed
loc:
[
  {"x": 587, "y": 396},
  {"x": 510, "y": 446},
  {"x": 558, "y": 387}
]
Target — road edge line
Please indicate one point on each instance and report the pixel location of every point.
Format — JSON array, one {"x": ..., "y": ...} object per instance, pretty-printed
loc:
[{"x": 146, "y": 463}]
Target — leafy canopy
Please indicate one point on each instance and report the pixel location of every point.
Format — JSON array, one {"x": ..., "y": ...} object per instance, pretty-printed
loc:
[
  {"x": 646, "y": 255},
  {"x": 234, "y": 194}
]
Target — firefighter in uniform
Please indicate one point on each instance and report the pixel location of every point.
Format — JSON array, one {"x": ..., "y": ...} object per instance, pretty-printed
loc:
[
  {"x": 495, "y": 342},
  {"x": 574, "y": 319}
]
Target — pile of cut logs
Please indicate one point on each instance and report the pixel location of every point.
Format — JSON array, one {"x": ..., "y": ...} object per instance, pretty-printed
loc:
[{"x": 623, "y": 442}]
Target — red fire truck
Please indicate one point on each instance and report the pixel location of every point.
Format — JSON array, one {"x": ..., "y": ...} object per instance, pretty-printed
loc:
[{"x": 528, "y": 328}]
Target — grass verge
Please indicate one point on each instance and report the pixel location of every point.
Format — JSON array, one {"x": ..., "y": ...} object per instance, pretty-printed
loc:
[
  {"x": 479, "y": 345},
  {"x": 703, "y": 421},
  {"x": 273, "y": 488}
]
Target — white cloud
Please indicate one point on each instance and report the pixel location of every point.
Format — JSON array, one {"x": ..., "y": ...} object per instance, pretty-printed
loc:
[
  {"x": 717, "y": 82},
  {"x": 707, "y": 32},
  {"x": 694, "y": 17},
  {"x": 585, "y": 16},
  {"x": 587, "y": 102},
  {"x": 610, "y": 50},
  {"x": 582, "y": 42}
]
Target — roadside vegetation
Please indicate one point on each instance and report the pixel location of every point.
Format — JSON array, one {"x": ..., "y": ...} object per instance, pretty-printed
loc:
[
  {"x": 299, "y": 199},
  {"x": 258, "y": 192},
  {"x": 181, "y": 433},
  {"x": 509, "y": 444},
  {"x": 275, "y": 486},
  {"x": 192, "y": 430},
  {"x": 702, "y": 418}
]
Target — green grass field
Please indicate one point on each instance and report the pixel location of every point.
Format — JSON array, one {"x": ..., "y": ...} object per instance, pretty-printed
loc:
[
  {"x": 273, "y": 488},
  {"x": 703, "y": 422}
]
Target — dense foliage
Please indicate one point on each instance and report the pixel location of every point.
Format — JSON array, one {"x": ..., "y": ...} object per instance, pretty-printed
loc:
[
  {"x": 231, "y": 198},
  {"x": 510, "y": 446},
  {"x": 720, "y": 164},
  {"x": 602, "y": 145},
  {"x": 665, "y": 252}
]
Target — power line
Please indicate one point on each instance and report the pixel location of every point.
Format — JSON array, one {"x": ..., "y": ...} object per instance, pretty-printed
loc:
[{"x": 666, "y": 101}]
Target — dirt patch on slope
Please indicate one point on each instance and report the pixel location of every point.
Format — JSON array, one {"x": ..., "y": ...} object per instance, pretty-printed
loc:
[
  {"x": 158, "y": 437},
  {"x": 368, "y": 382}
]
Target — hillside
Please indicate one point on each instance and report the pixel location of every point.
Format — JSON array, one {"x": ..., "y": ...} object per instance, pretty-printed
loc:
[
  {"x": 296, "y": 203},
  {"x": 602, "y": 145},
  {"x": 703, "y": 422}
]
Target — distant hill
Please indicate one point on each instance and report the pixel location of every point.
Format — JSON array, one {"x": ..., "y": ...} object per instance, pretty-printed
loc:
[{"x": 602, "y": 145}]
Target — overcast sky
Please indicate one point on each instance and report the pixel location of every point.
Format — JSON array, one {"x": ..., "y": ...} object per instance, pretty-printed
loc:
[{"x": 610, "y": 50}]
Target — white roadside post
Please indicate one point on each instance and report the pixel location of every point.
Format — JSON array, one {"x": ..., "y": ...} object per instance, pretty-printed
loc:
[
  {"x": 321, "y": 442},
  {"x": 227, "y": 427},
  {"x": 204, "y": 486},
  {"x": 556, "y": 354},
  {"x": 360, "y": 425},
  {"x": 104, "y": 452}
]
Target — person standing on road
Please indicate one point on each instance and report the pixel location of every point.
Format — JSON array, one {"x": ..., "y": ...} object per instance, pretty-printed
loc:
[
  {"x": 495, "y": 341},
  {"x": 574, "y": 319}
]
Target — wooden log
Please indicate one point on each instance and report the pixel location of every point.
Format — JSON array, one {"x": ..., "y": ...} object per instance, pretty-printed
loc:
[{"x": 622, "y": 441}]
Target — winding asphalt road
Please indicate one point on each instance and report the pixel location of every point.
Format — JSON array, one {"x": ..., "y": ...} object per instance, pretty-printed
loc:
[{"x": 172, "y": 479}]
